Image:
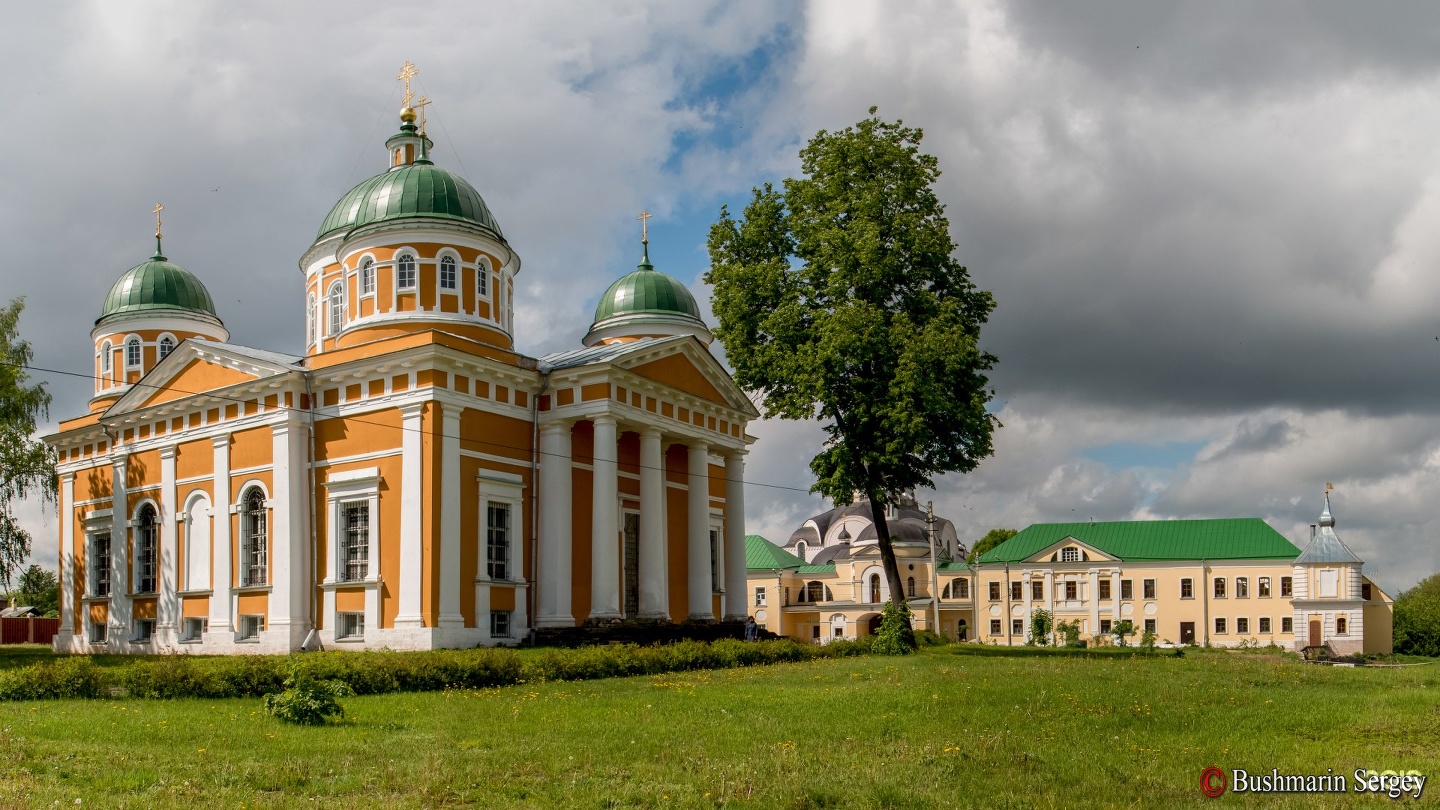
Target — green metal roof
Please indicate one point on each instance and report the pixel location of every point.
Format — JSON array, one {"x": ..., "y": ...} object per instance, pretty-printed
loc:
[
  {"x": 763, "y": 555},
  {"x": 953, "y": 565},
  {"x": 1142, "y": 540},
  {"x": 816, "y": 569},
  {"x": 419, "y": 189},
  {"x": 647, "y": 290},
  {"x": 157, "y": 284}
]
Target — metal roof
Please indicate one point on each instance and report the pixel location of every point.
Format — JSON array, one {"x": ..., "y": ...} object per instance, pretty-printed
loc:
[
  {"x": 413, "y": 190},
  {"x": 1140, "y": 540},
  {"x": 157, "y": 284},
  {"x": 275, "y": 358},
  {"x": 597, "y": 354},
  {"x": 763, "y": 555},
  {"x": 1326, "y": 546},
  {"x": 647, "y": 290}
]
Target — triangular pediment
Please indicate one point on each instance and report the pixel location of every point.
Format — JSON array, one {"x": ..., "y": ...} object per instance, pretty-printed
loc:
[
  {"x": 1054, "y": 553},
  {"x": 685, "y": 364},
  {"x": 199, "y": 367}
]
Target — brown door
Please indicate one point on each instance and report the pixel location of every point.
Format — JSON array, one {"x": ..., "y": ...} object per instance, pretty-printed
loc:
[
  {"x": 1187, "y": 632},
  {"x": 1314, "y": 639}
]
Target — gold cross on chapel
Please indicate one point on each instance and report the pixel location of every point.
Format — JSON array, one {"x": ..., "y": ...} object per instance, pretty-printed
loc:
[
  {"x": 644, "y": 227},
  {"x": 156, "y": 212},
  {"x": 407, "y": 72},
  {"x": 420, "y": 105}
]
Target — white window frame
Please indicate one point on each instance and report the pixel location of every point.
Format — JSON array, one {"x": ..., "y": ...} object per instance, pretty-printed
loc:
[
  {"x": 1070, "y": 554},
  {"x": 502, "y": 493},
  {"x": 250, "y": 626},
  {"x": 498, "y": 617},
  {"x": 717, "y": 553},
  {"x": 107, "y": 352},
  {"x": 1242, "y": 631},
  {"x": 414, "y": 271},
  {"x": 483, "y": 269},
  {"x": 1242, "y": 587},
  {"x": 1222, "y": 628},
  {"x": 1264, "y": 625},
  {"x": 93, "y": 571},
  {"x": 310, "y": 320},
  {"x": 244, "y": 566},
  {"x": 98, "y": 632},
  {"x": 346, "y": 628},
  {"x": 134, "y": 340},
  {"x": 367, "y": 277},
  {"x": 343, "y": 489},
  {"x": 143, "y": 631},
  {"x": 1262, "y": 587},
  {"x": 454, "y": 288},
  {"x": 136, "y": 528},
  {"x": 760, "y": 596},
  {"x": 335, "y": 308},
  {"x": 160, "y": 352},
  {"x": 1327, "y": 583},
  {"x": 193, "y": 629}
]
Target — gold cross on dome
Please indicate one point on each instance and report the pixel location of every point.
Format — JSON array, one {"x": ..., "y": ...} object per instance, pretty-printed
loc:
[
  {"x": 407, "y": 72},
  {"x": 156, "y": 212},
  {"x": 420, "y": 105},
  {"x": 1328, "y": 486},
  {"x": 644, "y": 226}
]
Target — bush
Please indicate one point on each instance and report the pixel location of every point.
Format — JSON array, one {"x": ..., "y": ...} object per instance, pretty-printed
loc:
[
  {"x": 1417, "y": 619},
  {"x": 306, "y": 700},
  {"x": 894, "y": 636},
  {"x": 1041, "y": 624},
  {"x": 930, "y": 638}
]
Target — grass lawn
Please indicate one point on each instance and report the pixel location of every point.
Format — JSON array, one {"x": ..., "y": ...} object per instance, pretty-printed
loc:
[{"x": 945, "y": 728}]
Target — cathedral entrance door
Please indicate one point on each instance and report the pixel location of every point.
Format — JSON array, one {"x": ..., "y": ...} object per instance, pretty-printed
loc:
[{"x": 631, "y": 554}]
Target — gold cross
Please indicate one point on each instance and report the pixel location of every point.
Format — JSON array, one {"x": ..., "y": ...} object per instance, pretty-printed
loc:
[
  {"x": 644, "y": 229},
  {"x": 419, "y": 107},
  {"x": 407, "y": 72},
  {"x": 1328, "y": 486},
  {"x": 156, "y": 212}
]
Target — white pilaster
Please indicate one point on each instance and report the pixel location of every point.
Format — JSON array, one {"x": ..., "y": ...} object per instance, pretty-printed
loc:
[
  {"x": 735, "y": 579},
  {"x": 119, "y": 622},
  {"x": 66, "y": 512},
  {"x": 604, "y": 529},
  {"x": 1027, "y": 591},
  {"x": 654, "y": 593},
  {"x": 220, "y": 538},
  {"x": 290, "y": 538},
  {"x": 553, "y": 565},
  {"x": 167, "y": 610},
  {"x": 1093, "y": 597},
  {"x": 1115, "y": 594},
  {"x": 412, "y": 473},
  {"x": 450, "y": 573},
  {"x": 698, "y": 523}
]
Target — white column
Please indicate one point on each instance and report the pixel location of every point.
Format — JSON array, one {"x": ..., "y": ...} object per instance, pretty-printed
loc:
[
  {"x": 1093, "y": 596},
  {"x": 167, "y": 611},
  {"x": 289, "y": 535},
  {"x": 220, "y": 538},
  {"x": 412, "y": 473},
  {"x": 604, "y": 529},
  {"x": 553, "y": 574},
  {"x": 119, "y": 622},
  {"x": 654, "y": 595},
  {"x": 698, "y": 522},
  {"x": 735, "y": 579},
  {"x": 450, "y": 573},
  {"x": 66, "y": 511},
  {"x": 1025, "y": 591}
]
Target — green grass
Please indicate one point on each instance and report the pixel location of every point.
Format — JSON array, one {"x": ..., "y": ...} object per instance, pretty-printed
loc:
[{"x": 947, "y": 728}]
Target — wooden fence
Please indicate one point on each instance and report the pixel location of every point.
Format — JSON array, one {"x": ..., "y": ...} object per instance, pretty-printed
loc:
[{"x": 29, "y": 630}]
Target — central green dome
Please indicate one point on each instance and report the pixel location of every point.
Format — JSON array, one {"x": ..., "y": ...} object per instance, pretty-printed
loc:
[
  {"x": 646, "y": 302},
  {"x": 157, "y": 285},
  {"x": 419, "y": 189}
]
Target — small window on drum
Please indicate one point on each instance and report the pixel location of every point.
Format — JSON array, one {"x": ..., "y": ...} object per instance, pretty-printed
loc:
[
  {"x": 405, "y": 272},
  {"x": 448, "y": 278}
]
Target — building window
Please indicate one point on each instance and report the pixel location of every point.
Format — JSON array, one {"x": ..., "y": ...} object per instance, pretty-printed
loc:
[
  {"x": 367, "y": 277},
  {"x": 1147, "y": 588},
  {"x": 251, "y": 627},
  {"x": 310, "y": 320},
  {"x": 1242, "y": 625},
  {"x": 1127, "y": 589},
  {"x": 1016, "y": 591},
  {"x": 994, "y": 627},
  {"x": 254, "y": 538},
  {"x": 1327, "y": 582},
  {"x": 482, "y": 278},
  {"x": 875, "y": 591},
  {"x": 1037, "y": 589},
  {"x": 1104, "y": 627},
  {"x": 715, "y": 560},
  {"x": 337, "y": 308},
  {"x": 1262, "y": 587},
  {"x": 1219, "y": 587},
  {"x": 349, "y": 626},
  {"x": 960, "y": 588},
  {"x": 194, "y": 629},
  {"x": 1264, "y": 624},
  {"x": 815, "y": 591},
  {"x": 1072, "y": 590},
  {"x": 1365, "y": 591},
  {"x": 1150, "y": 626},
  {"x": 1070, "y": 554},
  {"x": 1242, "y": 588},
  {"x": 910, "y": 587},
  {"x": 1341, "y": 626},
  {"x": 1287, "y": 625},
  {"x": 497, "y": 540},
  {"x": 355, "y": 541},
  {"x": 1219, "y": 626},
  {"x": 405, "y": 272},
  {"x": 1187, "y": 588},
  {"x": 500, "y": 624},
  {"x": 1017, "y": 627},
  {"x": 759, "y": 597},
  {"x": 132, "y": 353},
  {"x": 447, "y": 273},
  {"x": 1287, "y": 586},
  {"x": 97, "y": 632},
  {"x": 995, "y": 592},
  {"x": 800, "y": 549},
  {"x": 1104, "y": 589},
  {"x": 100, "y": 566},
  {"x": 147, "y": 539},
  {"x": 105, "y": 352},
  {"x": 167, "y": 345},
  {"x": 144, "y": 630}
]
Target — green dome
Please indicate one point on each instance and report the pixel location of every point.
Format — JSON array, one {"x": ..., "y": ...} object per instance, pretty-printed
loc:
[
  {"x": 155, "y": 285},
  {"x": 419, "y": 189},
  {"x": 647, "y": 291}
]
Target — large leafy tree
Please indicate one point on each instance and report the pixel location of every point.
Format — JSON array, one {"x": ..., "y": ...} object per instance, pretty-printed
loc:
[
  {"x": 839, "y": 298},
  {"x": 1417, "y": 619},
  {"x": 39, "y": 589},
  {"x": 992, "y": 538},
  {"x": 27, "y": 467}
]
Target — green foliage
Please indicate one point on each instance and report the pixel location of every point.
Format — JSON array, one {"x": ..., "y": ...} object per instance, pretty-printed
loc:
[
  {"x": 1071, "y": 632},
  {"x": 1041, "y": 623},
  {"x": 38, "y": 588},
  {"x": 1122, "y": 630},
  {"x": 894, "y": 636},
  {"x": 839, "y": 299},
  {"x": 1417, "y": 619},
  {"x": 930, "y": 638},
  {"x": 1147, "y": 641},
  {"x": 992, "y": 538},
  {"x": 307, "y": 700},
  {"x": 27, "y": 466}
]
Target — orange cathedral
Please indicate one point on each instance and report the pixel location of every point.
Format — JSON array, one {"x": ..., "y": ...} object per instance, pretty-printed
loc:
[{"x": 410, "y": 481}]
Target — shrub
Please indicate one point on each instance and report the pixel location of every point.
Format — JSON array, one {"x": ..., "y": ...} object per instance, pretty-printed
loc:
[
  {"x": 1041, "y": 623},
  {"x": 930, "y": 638},
  {"x": 69, "y": 677},
  {"x": 1147, "y": 641},
  {"x": 895, "y": 636},
  {"x": 1417, "y": 619},
  {"x": 1121, "y": 630},
  {"x": 306, "y": 700}
]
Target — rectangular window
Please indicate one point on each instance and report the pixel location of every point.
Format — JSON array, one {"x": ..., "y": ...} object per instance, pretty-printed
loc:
[
  {"x": 252, "y": 551},
  {"x": 1287, "y": 625},
  {"x": 715, "y": 561},
  {"x": 1150, "y": 625},
  {"x": 1017, "y": 591},
  {"x": 1262, "y": 587},
  {"x": 1242, "y": 587},
  {"x": 1104, "y": 589},
  {"x": 815, "y": 632},
  {"x": 994, "y": 627},
  {"x": 959, "y": 589},
  {"x": 195, "y": 628},
  {"x": 994, "y": 592},
  {"x": 355, "y": 542},
  {"x": 1037, "y": 589},
  {"x": 1219, "y": 626},
  {"x": 1017, "y": 627},
  {"x": 1287, "y": 586},
  {"x": 1219, "y": 587},
  {"x": 500, "y": 624},
  {"x": 367, "y": 278},
  {"x": 1365, "y": 591},
  {"x": 350, "y": 626},
  {"x": 1147, "y": 588},
  {"x": 100, "y": 566},
  {"x": 146, "y": 546},
  {"x": 1242, "y": 625},
  {"x": 759, "y": 597},
  {"x": 1187, "y": 588},
  {"x": 97, "y": 632},
  {"x": 251, "y": 627},
  {"x": 497, "y": 540},
  {"x": 1104, "y": 626},
  {"x": 1264, "y": 624},
  {"x": 1341, "y": 626},
  {"x": 1327, "y": 583},
  {"x": 482, "y": 282},
  {"x": 1070, "y": 554},
  {"x": 1127, "y": 589},
  {"x": 1072, "y": 590},
  {"x": 447, "y": 274},
  {"x": 144, "y": 629}
]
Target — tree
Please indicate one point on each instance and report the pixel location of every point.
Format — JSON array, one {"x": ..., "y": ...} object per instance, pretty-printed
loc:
[
  {"x": 1122, "y": 630},
  {"x": 39, "y": 589},
  {"x": 992, "y": 538},
  {"x": 1417, "y": 619},
  {"x": 27, "y": 466},
  {"x": 839, "y": 299},
  {"x": 1041, "y": 623}
]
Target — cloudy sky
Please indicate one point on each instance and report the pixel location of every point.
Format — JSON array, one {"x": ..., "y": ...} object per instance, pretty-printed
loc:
[{"x": 1212, "y": 229}]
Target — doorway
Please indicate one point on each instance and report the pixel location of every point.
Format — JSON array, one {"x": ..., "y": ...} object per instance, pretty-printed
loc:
[
  {"x": 1316, "y": 637},
  {"x": 1187, "y": 632},
  {"x": 631, "y": 555},
  {"x": 962, "y": 631}
]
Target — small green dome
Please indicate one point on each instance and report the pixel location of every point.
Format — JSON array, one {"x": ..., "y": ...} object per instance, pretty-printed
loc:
[
  {"x": 647, "y": 291},
  {"x": 155, "y": 285},
  {"x": 419, "y": 189}
]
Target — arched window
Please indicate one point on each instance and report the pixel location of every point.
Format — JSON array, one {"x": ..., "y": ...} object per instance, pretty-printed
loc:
[
  {"x": 405, "y": 272},
  {"x": 310, "y": 320},
  {"x": 448, "y": 279},
  {"x": 132, "y": 353},
  {"x": 800, "y": 549},
  {"x": 105, "y": 352},
  {"x": 910, "y": 587},
  {"x": 875, "y": 588},
  {"x": 254, "y": 542},
  {"x": 367, "y": 277},
  {"x": 817, "y": 592},
  {"x": 167, "y": 345},
  {"x": 337, "y": 308},
  {"x": 147, "y": 536},
  {"x": 482, "y": 277}
]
